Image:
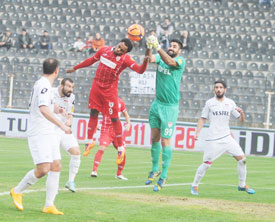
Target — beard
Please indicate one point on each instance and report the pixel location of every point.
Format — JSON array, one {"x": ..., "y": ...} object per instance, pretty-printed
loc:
[
  {"x": 171, "y": 53},
  {"x": 220, "y": 95},
  {"x": 67, "y": 94}
]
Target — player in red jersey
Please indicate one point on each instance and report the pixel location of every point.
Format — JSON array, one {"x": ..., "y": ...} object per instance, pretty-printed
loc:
[
  {"x": 107, "y": 136},
  {"x": 104, "y": 90}
]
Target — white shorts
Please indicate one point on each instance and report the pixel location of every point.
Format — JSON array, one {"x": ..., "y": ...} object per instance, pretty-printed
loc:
[
  {"x": 214, "y": 149},
  {"x": 68, "y": 141},
  {"x": 44, "y": 148}
]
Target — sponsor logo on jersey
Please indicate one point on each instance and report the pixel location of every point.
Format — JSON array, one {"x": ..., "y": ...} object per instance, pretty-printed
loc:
[
  {"x": 43, "y": 91},
  {"x": 170, "y": 124},
  {"x": 220, "y": 113},
  {"x": 107, "y": 62},
  {"x": 164, "y": 70},
  {"x": 180, "y": 61}
]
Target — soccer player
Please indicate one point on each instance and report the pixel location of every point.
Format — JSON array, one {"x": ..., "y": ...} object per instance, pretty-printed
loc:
[
  {"x": 219, "y": 139},
  {"x": 107, "y": 136},
  {"x": 65, "y": 99},
  {"x": 104, "y": 90},
  {"x": 42, "y": 139},
  {"x": 163, "y": 113}
]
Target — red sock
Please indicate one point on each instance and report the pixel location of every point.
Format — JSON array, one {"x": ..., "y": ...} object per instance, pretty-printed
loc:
[
  {"x": 97, "y": 159},
  {"x": 92, "y": 127},
  {"x": 121, "y": 167},
  {"x": 118, "y": 131}
]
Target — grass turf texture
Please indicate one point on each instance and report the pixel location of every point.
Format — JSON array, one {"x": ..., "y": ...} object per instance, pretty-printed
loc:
[{"x": 105, "y": 199}]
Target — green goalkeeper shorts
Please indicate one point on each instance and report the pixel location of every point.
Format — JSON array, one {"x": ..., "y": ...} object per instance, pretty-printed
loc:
[{"x": 163, "y": 117}]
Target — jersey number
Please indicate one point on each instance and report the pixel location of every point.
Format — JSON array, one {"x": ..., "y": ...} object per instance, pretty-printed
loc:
[{"x": 168, "y": 132}]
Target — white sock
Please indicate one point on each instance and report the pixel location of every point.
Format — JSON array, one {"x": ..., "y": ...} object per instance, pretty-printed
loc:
[
  {"x": 52, "y": 185},
  {"x": 74, "y": 166},
  {"x": 200, "y": 173},
  {"x": 28, "y": 180},
  {"x": 242, "y": 172},
  {"x": 120, "y": 149}
]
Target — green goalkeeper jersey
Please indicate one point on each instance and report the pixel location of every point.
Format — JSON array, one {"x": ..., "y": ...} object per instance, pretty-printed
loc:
[{"x": 168, "y": 80}]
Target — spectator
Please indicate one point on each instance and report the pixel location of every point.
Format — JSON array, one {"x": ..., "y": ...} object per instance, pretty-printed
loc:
[
  {"x": 98, "y": 42},
  {"x": 88, "y": 46},
  {"x": 45, "y": 42},
  {"x": 184, "y": 38},
  {"x": 164, "y": 40},
  {"x": 78, "y": 46},
  {"x": 24, "y": 40},
  {"x": 165, "y": 26},
  {"x": 262, "y": 2},
  {"x": 5, "y": 39}
]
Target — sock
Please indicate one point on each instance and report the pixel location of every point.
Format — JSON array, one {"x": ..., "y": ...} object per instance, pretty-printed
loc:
[
  {"x": 74, "y": 166},
  {"x": 242, "y": 172},
  {"x": 118, "y": 131},
  {"x": 155, "y": 152},
  {"x": 200, "y": 173},
  {"x": 121, "y": 167},
  {"x": 97, "y": 159},
  {"x": 28, "y": 180},
  {"x": 52, "y": 185},
  {"x": 92, "y": 126},
  {"x": 166, "y": 158}
]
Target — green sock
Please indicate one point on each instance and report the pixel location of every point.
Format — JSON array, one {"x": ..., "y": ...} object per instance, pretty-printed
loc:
[
  {"x": 155, "y": 151},
  {"x": 166, "y": 158}
]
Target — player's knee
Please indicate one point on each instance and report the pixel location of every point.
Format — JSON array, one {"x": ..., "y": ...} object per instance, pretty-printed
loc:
[
  {"x": 42, "y": 171},
  {"x": 74, "y": 151},
  {"x": 207, "y": 164},
  {"x": 114, "y": 120},
  {"x": 93, "y": 113},
  {"x": 242, "y": 161}
]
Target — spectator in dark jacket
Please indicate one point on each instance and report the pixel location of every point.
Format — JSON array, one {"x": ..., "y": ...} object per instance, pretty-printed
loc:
[
  {"x": 185, "y": 39},
  {"x": 5, "y": 39},
  {"x": 24, "y": 40},
  {"x": 45, "y": 42}
]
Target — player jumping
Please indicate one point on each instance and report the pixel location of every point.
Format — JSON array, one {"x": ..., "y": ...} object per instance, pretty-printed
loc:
[
  {"x": 104, "y": 90},
  {"x": 164, "y": 110}
]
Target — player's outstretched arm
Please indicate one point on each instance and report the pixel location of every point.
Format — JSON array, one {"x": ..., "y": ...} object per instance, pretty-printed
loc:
[
  {"x": 164, "y": 56},
  {"x": 199, "y": 127}
]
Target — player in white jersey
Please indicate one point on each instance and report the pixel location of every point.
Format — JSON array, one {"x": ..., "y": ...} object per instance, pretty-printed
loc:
[
  {"x": 219, "y": 139},
  {"x": 42, "y": 139},
  {"x": 65, "y": 99}
]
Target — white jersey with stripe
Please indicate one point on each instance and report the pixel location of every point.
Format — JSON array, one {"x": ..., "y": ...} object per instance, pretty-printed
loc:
[
  {"x": 66, "y": 103},
  {"x": 41, "y": 96},
  {"x": 218, "y": 114}
]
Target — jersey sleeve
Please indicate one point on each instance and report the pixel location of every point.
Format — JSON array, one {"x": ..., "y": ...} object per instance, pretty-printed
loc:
[
  {"x": 234, "y": 112},
  {"x": 205, "y": 111},
  {"x": 44, "y": 95},
  {"x": 181, "y": 62},
  {"x": 123, "y": 107}
]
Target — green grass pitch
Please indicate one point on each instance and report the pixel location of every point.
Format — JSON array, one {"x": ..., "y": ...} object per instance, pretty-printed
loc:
[{"x": 107, "y": 199}]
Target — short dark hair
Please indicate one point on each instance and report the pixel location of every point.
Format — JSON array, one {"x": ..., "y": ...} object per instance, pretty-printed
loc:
[
  {"x": 221, "y": 82},
  {"x": 50, "y": 65},
  {"x": 177, "y": 41},
  {"x": 63, "y": 82},
  {"x": 128, "y": 43}
]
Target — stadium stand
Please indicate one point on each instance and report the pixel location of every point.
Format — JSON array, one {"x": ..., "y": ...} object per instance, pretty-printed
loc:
[{"x": 233, "y": 40}]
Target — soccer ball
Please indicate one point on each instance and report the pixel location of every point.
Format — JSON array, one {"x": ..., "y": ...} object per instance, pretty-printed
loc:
[{"x": 135, "y": 32}]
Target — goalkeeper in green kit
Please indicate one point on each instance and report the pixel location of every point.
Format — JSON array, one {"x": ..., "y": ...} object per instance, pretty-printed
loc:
[{"x": 164, "y": 110}]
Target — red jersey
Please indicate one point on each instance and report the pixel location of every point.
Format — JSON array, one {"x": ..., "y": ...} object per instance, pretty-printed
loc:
[
  {"x": 107, "y": 125},
  {"x": 110, "y": 66}
]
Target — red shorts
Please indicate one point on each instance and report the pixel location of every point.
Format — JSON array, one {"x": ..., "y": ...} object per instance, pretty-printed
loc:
[
  {"x": 104, "y": 100},
  {"x": 108, "y": 137}
]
